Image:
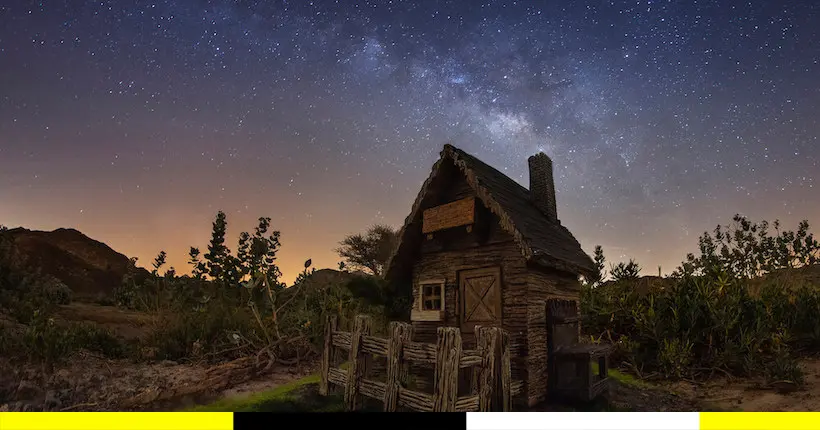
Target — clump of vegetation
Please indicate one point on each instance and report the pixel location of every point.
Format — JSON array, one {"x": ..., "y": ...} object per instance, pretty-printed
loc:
[
  {"x": 716, "y": 313},
  {"x": 48, "y": 342},
  {"x": 369, "y": 251},
  {"x": 31, "y": 298},
  {"x": 235, "y": 305}
]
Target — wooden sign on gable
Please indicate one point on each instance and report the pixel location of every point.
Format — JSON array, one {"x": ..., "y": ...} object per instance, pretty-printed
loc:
[{"x": 453, "y": 214}]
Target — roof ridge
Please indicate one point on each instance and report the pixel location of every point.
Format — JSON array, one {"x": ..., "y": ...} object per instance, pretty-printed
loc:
[
  {"x": 539, "y": 238},
  {"x": 511, "y": 180}
]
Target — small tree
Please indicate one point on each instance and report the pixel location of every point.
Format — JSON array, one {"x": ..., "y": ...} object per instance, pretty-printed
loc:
[
  {"x": 598, "y": 276},
  {"x": 257, "y": 253},
  {"x": 369, "y": 251},
  {"x": 218, "y": 255},
  {"x": 158, "y": 262},
  {"x": 198, "y": 269},
  {"x": 624, "y": 271},
  {"x": 745, "y": 249}
]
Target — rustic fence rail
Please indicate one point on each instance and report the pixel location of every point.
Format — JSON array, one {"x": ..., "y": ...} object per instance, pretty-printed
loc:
[{"x": 491, "y": 384}]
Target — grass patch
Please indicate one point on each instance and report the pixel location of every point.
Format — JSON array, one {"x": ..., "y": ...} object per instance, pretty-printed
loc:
[
  {"x": 623, "y": 378},
  {"x": 298, "y": 396}
]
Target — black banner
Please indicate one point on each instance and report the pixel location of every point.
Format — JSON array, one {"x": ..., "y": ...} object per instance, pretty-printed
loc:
[{"x": 363, "y": 420}]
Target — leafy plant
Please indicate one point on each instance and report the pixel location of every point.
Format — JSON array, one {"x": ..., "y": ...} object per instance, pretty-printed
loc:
[{"x": 716, "y": 314}]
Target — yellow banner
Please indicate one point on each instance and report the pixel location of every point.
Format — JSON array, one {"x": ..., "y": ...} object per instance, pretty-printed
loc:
[
  {"x": 759, "y": 420},
  {"x": 116, "y": 421}
]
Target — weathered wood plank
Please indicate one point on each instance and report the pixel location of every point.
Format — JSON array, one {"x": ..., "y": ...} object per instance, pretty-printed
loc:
[
  {"x": 337, "y": 376},
  {"x": 357, "y": 362},
  {"x": 327, "y": 354},
  {"x": 419, "y": 352},
  {"x": 506, "y": 377},
  {"x": 396, "y": 368},
  {"x": 375, "y": 345},
  {"x": 488, "y": 345},
  {"x": 341, "y": 339},
  {"x": 516, "y": 388},
  {"x": 470, "y": 358},
  {"x": 371, "y": 388},
  {"x": 467, "y": 404},
  {"x": 453, "y": 214},
  {"x": 417, "y": 401},
  {"x": 447, "y": 365}
]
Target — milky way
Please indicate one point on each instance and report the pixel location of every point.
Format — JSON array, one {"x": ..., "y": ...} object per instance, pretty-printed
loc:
[{"x": 135, "y": 122}]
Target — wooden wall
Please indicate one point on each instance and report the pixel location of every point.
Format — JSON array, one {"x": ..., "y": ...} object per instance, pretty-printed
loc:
[
  {"x": 486, "y": 245},
  {"x": 543, "y": 284}
]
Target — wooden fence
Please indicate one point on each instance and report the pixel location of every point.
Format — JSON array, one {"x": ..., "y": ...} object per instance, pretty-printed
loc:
[{"x": 491, "y": 386}]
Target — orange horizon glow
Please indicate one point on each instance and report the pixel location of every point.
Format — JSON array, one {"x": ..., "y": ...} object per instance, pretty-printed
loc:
[{"x": 178, "y": 232}]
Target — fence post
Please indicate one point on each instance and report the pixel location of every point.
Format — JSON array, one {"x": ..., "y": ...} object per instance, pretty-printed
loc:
[
  {"x": 506, "y": 371},
  {"x": 399, "y": 333},
  {"x": 327, "y": 354},
  {"x": 488, "y": 345},
  {"x": 404, "y": 369},
  {"x": 475, "y": 374},
  {"x": 448, "y": 354},
  {"x": 356, "y": 361}
]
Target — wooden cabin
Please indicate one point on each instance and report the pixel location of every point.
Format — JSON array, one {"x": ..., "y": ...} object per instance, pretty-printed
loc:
[{"x": 480, "y": 249}]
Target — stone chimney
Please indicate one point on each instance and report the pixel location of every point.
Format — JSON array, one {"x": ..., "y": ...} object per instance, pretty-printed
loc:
[{"x": 542, "y": 186}]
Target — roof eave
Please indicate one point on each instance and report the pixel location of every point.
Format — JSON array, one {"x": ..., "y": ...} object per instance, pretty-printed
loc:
[{"x": 542, "y": 259}]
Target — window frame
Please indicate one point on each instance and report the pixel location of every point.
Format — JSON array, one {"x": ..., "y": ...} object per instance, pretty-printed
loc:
[{"x": 419, "y": 313}]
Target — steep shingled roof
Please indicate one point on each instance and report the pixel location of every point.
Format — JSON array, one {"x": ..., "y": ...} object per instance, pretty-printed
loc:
[{"x": 543, "y": 242}]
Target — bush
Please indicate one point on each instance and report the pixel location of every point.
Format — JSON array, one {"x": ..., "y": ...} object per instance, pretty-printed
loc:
[
  {"x": 694, "y": 326},
  {"x": 95, "y": 339},
  {"x": 48, "y": 342},
  {"x": 731, "y": 309},
  {"x": 32, "y": 293}
]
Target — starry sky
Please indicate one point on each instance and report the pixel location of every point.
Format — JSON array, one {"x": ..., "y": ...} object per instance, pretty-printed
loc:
[{"x": 136, "y": 121}]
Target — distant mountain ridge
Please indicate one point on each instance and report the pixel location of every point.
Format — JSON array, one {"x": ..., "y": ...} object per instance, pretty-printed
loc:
[
  {"x": 88, "y": 267},
  {"x": 92, "y": 269}
]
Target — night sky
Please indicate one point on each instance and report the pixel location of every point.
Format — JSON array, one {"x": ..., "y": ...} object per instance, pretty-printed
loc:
[{"x": 135, "y": 122}]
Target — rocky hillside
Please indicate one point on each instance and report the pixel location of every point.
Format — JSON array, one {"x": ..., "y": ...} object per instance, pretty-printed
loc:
[{"x": 91, "y": 269}]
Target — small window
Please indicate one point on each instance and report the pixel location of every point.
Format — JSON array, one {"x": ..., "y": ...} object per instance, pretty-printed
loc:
[
  {"x": 429, "y": 304},
  {"x": 431, "y": 296}
]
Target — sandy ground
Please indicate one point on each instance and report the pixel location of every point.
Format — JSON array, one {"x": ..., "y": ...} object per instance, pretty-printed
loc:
[{"x": 747, "y": 395}]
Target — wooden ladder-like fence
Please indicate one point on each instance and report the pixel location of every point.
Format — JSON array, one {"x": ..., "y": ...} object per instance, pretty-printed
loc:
[{"x": 491, "y": 385}]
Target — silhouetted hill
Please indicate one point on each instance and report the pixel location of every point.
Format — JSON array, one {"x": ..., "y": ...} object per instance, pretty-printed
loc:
[
  {"x": 88, "y": 267},
  {"x": 644, "y": 284}
]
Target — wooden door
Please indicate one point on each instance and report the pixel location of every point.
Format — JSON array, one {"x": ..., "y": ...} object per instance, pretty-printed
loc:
[{"x": 480, "y": 291}]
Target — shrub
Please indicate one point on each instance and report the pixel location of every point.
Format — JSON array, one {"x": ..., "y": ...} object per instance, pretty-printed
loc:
[
  {"x": 95, "y": 339},
  {"x": 213, "y": 331},
  {"x": 716, "y": 313},
  {"x": 48, "y": 342}
]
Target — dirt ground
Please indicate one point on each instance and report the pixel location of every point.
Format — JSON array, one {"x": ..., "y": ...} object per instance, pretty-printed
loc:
[
  {"x": 750, "y": 395},
  {"x": 92, "y": 383},
  {"x": 89, "y": 382}
]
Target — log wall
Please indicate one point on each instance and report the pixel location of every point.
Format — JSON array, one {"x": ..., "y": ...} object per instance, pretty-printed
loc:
[
  {"x": 543, "y": 285},
  {"x": 447, "y": 265}
]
